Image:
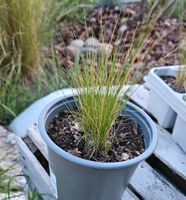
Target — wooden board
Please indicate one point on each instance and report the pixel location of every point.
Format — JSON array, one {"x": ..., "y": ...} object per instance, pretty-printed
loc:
[
  {"x": 37, "y": 174},
  {"x": 151, "y": 185},
  {"x": 37, "y": 140},
  {"x": 170, "y": 153}
]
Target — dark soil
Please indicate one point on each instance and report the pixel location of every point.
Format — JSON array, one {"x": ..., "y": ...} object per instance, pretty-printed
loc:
[
  {"x": 128, "y": 143},
  {"x": 172, "y": 83}
]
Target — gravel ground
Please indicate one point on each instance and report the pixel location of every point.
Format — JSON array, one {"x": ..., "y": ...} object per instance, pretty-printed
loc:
[{"x": 71, "y": 36}]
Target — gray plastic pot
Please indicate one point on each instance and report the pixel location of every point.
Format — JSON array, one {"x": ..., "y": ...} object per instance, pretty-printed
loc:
[{"x": 80, "y": 179}]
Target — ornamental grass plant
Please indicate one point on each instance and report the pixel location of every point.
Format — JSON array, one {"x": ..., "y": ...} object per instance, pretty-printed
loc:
[
  {"x": 101, "y": 83},
  {"x": 25, "y": 74},
  {"x": 25, "y": 28}
]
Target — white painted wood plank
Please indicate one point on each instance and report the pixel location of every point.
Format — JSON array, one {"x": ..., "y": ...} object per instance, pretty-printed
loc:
[
  {"x": 170, "y": 153},
  {"x": 34, "y": 135},
  {"x": 152, "y": 186},
  {"x": 35, "y": 171}
]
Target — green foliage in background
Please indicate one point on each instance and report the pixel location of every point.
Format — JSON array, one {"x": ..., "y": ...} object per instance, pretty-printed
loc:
[
  {"x": 17, "y": 95},
  {"x": 25, "y": 26},
  {"x": 75, "y": 10},
  {"x": 176, "y": 11}
]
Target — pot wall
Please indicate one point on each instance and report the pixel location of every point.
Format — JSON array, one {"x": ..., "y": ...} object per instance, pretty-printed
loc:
[
  {"x": 81, "y": 179},
  {"x": 80, "y": 183}
]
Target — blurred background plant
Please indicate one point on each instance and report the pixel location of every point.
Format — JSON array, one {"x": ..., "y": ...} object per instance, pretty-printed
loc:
[
  {"x": 26, "y": 73},
  {"x": 175, "y": 11},
  {"x": 181, "y": 74},
  {"x": 7, "y": 189},
  {"x": 16, "y": 95},
  {"x": 25, "y": 26}
]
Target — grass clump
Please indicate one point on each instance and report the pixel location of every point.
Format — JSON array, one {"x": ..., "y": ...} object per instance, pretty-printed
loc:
[
  {"x": 25, "y": 27},
  {"x": 17, "y": 95},
  {"x": 100, "y": 88},
  {"x": 181, "y": 74}
]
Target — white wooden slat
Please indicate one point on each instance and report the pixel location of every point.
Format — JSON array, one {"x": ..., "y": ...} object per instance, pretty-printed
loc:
[
  {"x": 170, "y": 153},
  {"x": 34, "y": 135},
  {"x": 37, "y": 174},
  {"x": 150, "y": 185}
]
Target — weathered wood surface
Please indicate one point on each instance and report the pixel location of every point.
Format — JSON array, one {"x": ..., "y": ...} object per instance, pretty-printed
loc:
[
  {"x": 170, "y": 153},
  {"x": 38, "y": 141},
  {"x": 151, "y": 185},
  {"x": 35, "y": 171}
]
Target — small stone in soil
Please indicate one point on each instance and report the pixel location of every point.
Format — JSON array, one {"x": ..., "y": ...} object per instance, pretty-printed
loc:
[{"x": 91, "y": 42}]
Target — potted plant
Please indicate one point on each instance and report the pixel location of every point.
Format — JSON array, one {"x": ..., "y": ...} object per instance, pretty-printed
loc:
[
  {"x": 95, "y": 138},
  {"x": 167, "y": 99}
]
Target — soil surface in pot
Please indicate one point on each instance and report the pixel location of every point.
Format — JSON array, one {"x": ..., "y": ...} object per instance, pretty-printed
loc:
[
  {"x": 128, "y": 143},
  {"x": 172, "y": 83}
]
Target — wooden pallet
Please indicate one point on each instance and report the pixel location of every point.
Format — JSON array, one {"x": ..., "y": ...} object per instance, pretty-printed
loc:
[{"x": 161, "y": 177}]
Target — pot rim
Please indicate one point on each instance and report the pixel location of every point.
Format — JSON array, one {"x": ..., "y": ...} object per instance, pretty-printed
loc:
[{"x": 96, "y": 164}]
